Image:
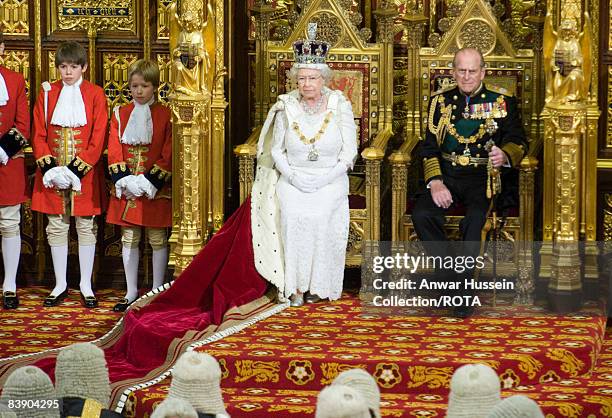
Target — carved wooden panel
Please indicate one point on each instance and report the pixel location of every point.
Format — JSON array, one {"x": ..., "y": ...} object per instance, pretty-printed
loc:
[
  {"x": 20, "y": 61},
  {"x": 115, "y": 78},
  {"x": 163, "y": 18},
  {"x": 164, "y": 63},
  {"x": 14, "y": 17}
]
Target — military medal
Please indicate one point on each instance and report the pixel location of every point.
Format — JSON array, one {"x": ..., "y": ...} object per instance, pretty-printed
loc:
[
  {"x": 490, "y": 126},
  {"x": 466, "y": 110}
]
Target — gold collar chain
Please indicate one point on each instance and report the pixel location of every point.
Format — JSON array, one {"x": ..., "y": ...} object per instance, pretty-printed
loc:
[{"x": 320, "y": 132}]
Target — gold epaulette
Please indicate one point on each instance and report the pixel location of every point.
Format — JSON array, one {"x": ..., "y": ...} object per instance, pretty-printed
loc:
[
  {"x": 443, "y": 90},
  {"x": 499, "y": 90}
]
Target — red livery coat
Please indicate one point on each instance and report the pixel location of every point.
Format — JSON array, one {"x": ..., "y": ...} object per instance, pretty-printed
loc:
[
  {"x": 49, "y": 150},
  {"x": 153, "y": 160},
  {"x": 16, "y": 113}
]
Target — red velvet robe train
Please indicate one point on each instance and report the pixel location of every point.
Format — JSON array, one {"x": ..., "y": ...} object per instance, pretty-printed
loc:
[{"x": 220, "y": 277}]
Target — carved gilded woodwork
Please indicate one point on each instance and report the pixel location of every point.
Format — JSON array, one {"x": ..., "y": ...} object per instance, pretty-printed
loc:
[
  {"x": 570, "y": 135},
  {"x": 104, "y": 15},
  {"x": 609, "y": 103},
  {"x": 164, "y": 63},
  {"x": 570, "y": 154},
  {"x": 52, "y": 73},
  {"x": 607, "y": 217},
  {"x": 93, "y": 16},
  {"x": 18, "y": 60},
  {"x": 163, "y": 19},
  {"x": 197, "y": 101},
  {"x": 14, "y": 17},
  {"x": 115, "y": 79},
  {"x": 567, "y": 58}
]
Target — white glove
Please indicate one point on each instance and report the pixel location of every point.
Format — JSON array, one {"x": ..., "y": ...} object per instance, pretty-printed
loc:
[
  {"x": 4, "y": 158},
  {"x": 329, "y": 177},
  {"x": 146, "y": 186},
  {"x": 132, "y": 188},
  {"x": 120, "y": 186},
  {"x": 303, "y": 182},
  {"x": 54, "y": 177},
  {"x": 75, "y": 182}
]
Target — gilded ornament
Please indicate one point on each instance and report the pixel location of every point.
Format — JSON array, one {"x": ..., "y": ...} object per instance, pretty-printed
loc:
[
  {"x": 476, "y": 33},
  {"x": 567, "y": 57},
  {"x": 192, "y": 44},
  {"x": 328, "y": 27}
]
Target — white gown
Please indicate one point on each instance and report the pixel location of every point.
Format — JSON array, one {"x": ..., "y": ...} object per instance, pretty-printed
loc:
[{"x": 314, "y": 226}]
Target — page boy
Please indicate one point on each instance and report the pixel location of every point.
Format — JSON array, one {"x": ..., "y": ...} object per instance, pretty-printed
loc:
[
  {"x": 70, "y": 121},
  {"x": 14, "y": 132}
]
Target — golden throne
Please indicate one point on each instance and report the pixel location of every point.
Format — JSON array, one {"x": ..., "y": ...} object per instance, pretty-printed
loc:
[
  {"x": 513, "y": 70},
  {"x": 363, "y": 71}
]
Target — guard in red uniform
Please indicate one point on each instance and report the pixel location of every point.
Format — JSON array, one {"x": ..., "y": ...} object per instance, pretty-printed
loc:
[
  {"x": 14, "y": 132},
  {"x": 140, "y": 162},
  {"x": 70, "y": 122}
]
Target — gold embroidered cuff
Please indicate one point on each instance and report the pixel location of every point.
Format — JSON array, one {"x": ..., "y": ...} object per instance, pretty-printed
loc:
[
  {"x": 118, "y": 171},
  {"x": 431, "y": 168},
  {"x": 46, "y": 162},
  {"x": 514, "y": 152},
  {"x": 79, "y": 167},
  {"x": 158, "y": 176}
]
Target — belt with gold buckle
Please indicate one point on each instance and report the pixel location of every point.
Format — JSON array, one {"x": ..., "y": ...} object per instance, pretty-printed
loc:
[{"x": 464, "y": 160}]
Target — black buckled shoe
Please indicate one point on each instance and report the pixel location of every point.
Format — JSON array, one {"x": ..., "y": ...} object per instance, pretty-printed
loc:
[
  {"x": 122, "y": 305},
  {"x": 89, "y": 301},
  {"x": 55, "y": 300},
  {"x": 312, "y": 298},
  {"x": 10, "y": 300}
]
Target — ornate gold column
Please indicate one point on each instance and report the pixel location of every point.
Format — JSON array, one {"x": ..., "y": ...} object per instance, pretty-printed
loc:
[
  {"x": 570, "y": 156},
  {"x": 565, "y": 128},
  {"x": 198, "y": 126},
  {"x": 385, "y": 21},
  {"x": 414, "y": 23},
  {"x": 217, "y": 175},
  {"x": 262, "y": 12},
  {"x": 525, "y": 282}
]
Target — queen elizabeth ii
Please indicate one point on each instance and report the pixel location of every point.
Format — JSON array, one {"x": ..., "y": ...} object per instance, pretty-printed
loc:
[{"x": 300, "y": 213}]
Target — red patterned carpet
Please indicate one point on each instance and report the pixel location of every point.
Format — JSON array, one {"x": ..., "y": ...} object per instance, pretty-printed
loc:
[
  {"x": 32, "y": 328},
  {"x": 277, "y": 366}
]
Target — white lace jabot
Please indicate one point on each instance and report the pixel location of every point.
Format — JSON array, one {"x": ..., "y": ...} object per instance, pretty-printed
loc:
[
  {"x": 70, "y": 109},
  {"x": 139, "y": 129}
]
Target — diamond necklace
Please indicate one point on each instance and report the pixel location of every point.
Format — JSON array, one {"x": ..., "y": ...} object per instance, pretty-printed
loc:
[{"x": 311, "y": 110}]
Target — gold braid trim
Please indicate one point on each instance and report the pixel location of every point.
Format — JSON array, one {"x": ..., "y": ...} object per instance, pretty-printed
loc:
[
  {"x": 432, "y": 111},
  {"x": 472, "y": 138},
  {"x": 514, "y": 152},
  {"x": 431, "y": 168},
  {"x": 91, "y": 409},
  {"x": 160, "y": 172},
  {"x": 45, "y": 160},
  {"x": 82, "y": 165},
  {"x": 117, "y": 167}
]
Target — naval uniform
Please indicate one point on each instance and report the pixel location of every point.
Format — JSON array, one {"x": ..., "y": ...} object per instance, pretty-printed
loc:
[{"x": 455, "y": 151}]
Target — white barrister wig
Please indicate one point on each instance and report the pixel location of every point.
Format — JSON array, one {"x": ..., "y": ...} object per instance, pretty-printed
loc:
[
  {"x": 364, "y": 384},
  {"x": 196, "y": 377},
  {"x": 339, "y": 401},
  {"x": 30, "y": 383},
  {"x": 474, "y": 391},
  {"x": 174, "y": 407},
  {"x": 517, "y": 406},
  {"x": 81, "y": 372}
]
